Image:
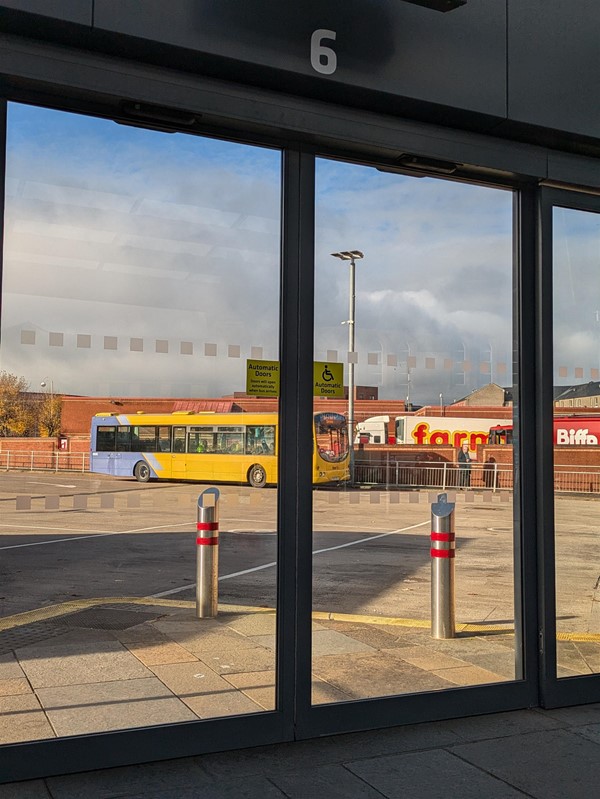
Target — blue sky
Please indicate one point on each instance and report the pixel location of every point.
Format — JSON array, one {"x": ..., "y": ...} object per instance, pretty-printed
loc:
[
  {"x": 435, "y": 281},
  {"x": 156, "y": 250}
]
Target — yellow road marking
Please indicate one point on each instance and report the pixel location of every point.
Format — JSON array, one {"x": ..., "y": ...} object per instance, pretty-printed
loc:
[
  {"x": 394, "y": 621},
  {"x": 65, "y": 608},
  {"x": 73, "y": 606},
  {"x": 357, "y": 619},
  {"x": 578, "y": 637}
]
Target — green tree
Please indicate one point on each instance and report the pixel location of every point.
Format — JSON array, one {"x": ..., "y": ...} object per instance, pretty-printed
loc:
[{"x": 16, "y": 417}]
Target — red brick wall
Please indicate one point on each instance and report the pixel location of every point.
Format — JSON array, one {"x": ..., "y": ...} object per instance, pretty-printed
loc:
[
  {"x": 77, "y": 412},
  {"x": 79, "y": 444},
  {"x": 15, "y": 444},
  {"x": 467, "y": 412}
]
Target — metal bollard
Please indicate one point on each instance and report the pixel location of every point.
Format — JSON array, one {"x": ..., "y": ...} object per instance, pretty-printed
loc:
[
  {"x": 442, "y": 568},
  {"x": 207, "y": 557}
]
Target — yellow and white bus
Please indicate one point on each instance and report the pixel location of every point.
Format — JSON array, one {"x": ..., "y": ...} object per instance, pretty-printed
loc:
[{"x": 210, "y": 447}]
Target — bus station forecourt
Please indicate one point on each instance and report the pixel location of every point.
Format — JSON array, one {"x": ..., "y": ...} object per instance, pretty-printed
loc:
[{"x": 105, "y": 636}]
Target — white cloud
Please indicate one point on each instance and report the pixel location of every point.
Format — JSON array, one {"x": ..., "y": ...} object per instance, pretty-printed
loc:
[{"x": 130, "y": 233}]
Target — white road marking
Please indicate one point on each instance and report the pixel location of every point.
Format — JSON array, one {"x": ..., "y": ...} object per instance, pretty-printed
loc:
[
  {"x": 315, "y": 552},
  {"x": 371, "y": 538},
  {"x": 82, "y": 537},
  {"x": 104, "y": 533},
  {"x": 185, "y": 524},
  {"x": 58, "y": 485},
  {"x": 57, "y": 541},
  {"x": 250, "y": 532}
]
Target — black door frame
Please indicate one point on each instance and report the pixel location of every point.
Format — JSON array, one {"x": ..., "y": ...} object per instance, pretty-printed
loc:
[
  {"x": 294, "y": 717},
  {"x": 313, "y": 720},
  {"x": 555, "y": 692}
]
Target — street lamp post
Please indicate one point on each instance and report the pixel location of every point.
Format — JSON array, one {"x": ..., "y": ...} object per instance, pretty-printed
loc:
[
  {"x": 351, "y": 256},
  {"x": 43, "y": 384},
  {"x": 49, "y": 410}
]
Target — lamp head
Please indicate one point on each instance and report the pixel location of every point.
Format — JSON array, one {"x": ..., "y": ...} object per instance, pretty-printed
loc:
[{"x": 348, "y": 255}]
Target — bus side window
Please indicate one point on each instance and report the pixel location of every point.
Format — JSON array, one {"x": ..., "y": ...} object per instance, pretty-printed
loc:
[
  {"x": 146, "y": 438},
  {"x": 229, "y": 442},
  {"x": 253, "y": 440},
  {"x": 124, "y": 438},
  {"x": 207, "y": 442},
  {"x": 267, "y": 440},
  {"x": 194, "y": 443},
  {"x": 164, "y": 440},
  {"x": 260, "y": 440},
  {"x": 179, "y": 439},
  {"x": 105, "y": 439}
]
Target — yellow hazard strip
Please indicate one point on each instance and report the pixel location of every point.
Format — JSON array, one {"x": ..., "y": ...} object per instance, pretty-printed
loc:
[
  {"x": 73, "y": 606},
  {"x": 484, "y": 628},
  {"x": 578, "y": 637},
  {"x": 394, "y": 621},
  {"x": 357, "y": 619}
]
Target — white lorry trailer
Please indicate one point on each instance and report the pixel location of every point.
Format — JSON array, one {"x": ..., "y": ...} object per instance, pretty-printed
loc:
[{"x": 425, "y": 430}]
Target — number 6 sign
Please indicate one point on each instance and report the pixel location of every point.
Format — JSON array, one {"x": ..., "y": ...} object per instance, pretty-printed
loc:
[{"x": 322, "y": 58}]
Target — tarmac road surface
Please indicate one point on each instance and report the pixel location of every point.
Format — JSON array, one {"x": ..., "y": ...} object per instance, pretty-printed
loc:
[{"x": 71, "y": 535}]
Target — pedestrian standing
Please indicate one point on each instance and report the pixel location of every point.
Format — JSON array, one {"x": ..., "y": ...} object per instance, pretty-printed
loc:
[{"x": 464, "y": 467}]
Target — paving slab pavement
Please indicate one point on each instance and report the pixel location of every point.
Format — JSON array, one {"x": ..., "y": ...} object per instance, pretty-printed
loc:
[
  {"x": 527, "y": 753},
  {"x": 134, "y": 663},
  {"x": 149, "y": 661},
  {"x": 113, "y": 673}
]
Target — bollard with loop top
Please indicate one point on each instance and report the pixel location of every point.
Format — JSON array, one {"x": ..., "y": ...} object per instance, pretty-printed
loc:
[
  {"x": 442, "y": 568},
  {"x": 207, "y": 556}
]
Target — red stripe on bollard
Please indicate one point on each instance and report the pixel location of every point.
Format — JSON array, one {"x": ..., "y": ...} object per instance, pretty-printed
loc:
[
  {"x": 211, "y": 542},
  {"x": 207, "y": 525},
  {"x": 442, "y": 553},
  {"x": 443, "y": 536}
]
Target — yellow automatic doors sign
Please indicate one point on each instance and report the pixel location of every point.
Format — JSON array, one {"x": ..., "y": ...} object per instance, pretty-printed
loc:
[
  {"x": 329, "y": 379},
  {"x": 262, "y": 378}
]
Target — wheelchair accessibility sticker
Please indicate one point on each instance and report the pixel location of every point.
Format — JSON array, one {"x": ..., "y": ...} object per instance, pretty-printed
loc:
[{"x": 328, "y": 379}]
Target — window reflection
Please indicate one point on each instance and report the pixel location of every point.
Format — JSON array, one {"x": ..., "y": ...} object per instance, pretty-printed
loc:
[
  {"x": 576, "y": 433},
  {"x": 131, "y": 258},
  {"x": 429, "y": 356}
]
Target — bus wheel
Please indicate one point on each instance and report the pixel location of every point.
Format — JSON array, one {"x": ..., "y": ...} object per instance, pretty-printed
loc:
[
  {"x": 142, "y": 472},
  {"x": 257, "y": 476}
]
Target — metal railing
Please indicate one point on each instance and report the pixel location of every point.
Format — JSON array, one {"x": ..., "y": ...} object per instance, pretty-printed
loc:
[
  {"x": 40, "y": 461},
  {"x": 578, "y": 481},
  {"x": 391, "y": 473},
  {"x": 444, "y": 475}
]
